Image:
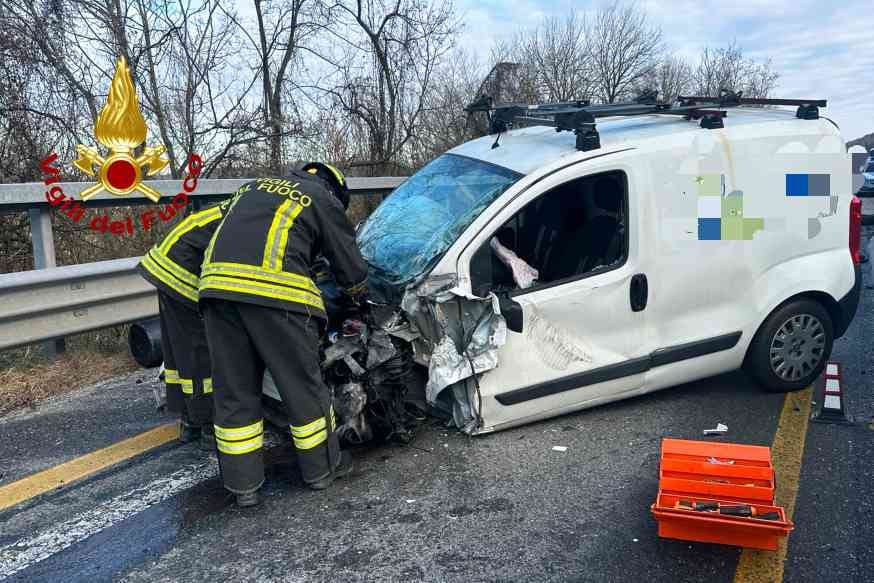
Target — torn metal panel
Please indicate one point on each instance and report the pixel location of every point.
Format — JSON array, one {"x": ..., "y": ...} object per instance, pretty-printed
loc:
[
  {"x": 349, "y": 402},
  {"x": 464, "y": 333},
  {"x": 343, "y": 347},
  {"x": 379, "y": 349}
]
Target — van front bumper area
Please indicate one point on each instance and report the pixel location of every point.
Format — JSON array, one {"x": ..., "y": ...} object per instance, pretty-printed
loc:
[{"x": 849, "y": 304}]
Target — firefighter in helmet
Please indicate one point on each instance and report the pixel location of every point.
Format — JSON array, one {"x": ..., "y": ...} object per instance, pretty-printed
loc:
[
  {"x": 263, "y": 309},
  {"x": 173, "y": 266}
]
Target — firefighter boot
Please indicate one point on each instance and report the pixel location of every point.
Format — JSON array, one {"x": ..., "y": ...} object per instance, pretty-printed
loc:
[
  {"x": 207, "y": 438},
  {"x": 248, "y": 500},
  {"x": 188, "y": 432},
  {"x": 343, "y": 469}
]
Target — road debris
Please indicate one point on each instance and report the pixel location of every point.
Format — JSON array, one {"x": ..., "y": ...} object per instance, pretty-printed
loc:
[
  {"x": 720, "y": 429},
  {"x": 559, "y": 448}
]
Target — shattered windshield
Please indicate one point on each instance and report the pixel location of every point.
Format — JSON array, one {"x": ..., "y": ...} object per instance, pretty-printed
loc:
[{"x": 427, "y": 213}]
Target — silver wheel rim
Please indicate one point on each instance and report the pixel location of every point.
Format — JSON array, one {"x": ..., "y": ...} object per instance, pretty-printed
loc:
[{"x": 797, "y": 347}]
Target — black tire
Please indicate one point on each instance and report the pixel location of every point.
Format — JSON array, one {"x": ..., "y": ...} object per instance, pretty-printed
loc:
[{"x": 806, "y": 335}]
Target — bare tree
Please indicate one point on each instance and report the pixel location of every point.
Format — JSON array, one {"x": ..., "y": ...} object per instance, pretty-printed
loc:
[
  {"x": 624, "y": 48},
  {"x": 282, "y": 28},
  {"x": 727, "y": 68},
  {"x": 671, "y": 77},
  {"x": 387, "y": 71},
  {"x": 559, "y": 59},
  {"x": 444, "y": 123}
]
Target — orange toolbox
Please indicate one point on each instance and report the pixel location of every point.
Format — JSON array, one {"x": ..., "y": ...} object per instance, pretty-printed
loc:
[{"x": 725, "y": 478}]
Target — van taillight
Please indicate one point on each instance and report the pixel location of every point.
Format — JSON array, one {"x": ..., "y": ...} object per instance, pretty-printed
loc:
[{"x": 856, "y": 229}]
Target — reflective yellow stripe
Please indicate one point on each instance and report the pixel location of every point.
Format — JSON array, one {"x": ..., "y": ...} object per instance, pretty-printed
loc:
[
  {"x": 283, "y": 238},
  {"x": 207, "y": 385},
  {"x": 187, "y": 386},
  {"x": 223, "y": 268},
  {"x": 240, "y": 447},
  {"x": 277, "y": 236},
  {"x": 337, "y": 174},
  {"x": 174, "y": 268},
  {"x": 171, "y": 376},
  {"x": 207, "y": 256},
  {"x": 272, "y": 240},
  {"x": 309, "y": 428},
  {"x": 235, "y": 433},
  {"x": 183, "y": 289},
  {"x": 261, "y": 289},
  {"x": 191, "y": 222},
  {"x": 312, "y": 441}
]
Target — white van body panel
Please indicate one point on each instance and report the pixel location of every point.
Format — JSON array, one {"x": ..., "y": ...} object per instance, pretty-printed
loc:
[{"x": 699, "y": 289}]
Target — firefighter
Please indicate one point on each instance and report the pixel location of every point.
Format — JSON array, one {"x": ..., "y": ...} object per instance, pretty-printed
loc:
[
  {"x": 173, "y": 266},
  {"x": 263, "y": 309}
]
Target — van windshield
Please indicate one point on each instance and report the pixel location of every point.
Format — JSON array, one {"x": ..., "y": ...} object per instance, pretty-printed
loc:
[{"x": 426, "y": 214}]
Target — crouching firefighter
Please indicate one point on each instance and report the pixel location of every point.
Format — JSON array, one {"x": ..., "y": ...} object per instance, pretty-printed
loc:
[
  {"x": 173, "y": 266},
  {"x": 263, "y": 309}
]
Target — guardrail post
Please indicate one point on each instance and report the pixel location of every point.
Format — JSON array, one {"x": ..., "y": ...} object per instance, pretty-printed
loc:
[{"x": 43, "y": 257}]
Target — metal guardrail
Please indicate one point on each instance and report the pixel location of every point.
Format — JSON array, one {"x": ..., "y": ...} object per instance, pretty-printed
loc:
[
  {"x": 52, "y": 302},
  {"x": 31, "y": 195}
]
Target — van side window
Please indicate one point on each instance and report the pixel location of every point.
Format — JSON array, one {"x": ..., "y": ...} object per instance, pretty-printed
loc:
[{"x": 573, "y": 230}]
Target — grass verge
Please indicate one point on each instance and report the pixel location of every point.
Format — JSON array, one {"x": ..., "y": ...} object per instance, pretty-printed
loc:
[{"x": 26, "y": 378}]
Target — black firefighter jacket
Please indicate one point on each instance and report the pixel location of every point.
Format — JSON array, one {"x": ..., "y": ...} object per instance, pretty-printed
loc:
[
  {"x": 173, "y": 265},
  {"x": 264, "y": 250}
]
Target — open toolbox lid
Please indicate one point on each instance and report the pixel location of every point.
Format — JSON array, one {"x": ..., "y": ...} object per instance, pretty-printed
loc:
[
  {"x": 718, "y": 470},
  {"x": 724, "y": 473}
]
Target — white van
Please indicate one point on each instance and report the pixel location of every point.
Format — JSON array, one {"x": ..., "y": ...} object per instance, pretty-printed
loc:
[{"x": 570, "y": 269}]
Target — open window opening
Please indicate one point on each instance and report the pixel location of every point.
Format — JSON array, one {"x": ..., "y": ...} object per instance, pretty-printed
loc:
[{"x": 574, "y": 230}]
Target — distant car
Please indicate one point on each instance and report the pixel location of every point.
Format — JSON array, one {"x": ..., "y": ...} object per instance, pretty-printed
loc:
[{"x": 868, "y": 174}]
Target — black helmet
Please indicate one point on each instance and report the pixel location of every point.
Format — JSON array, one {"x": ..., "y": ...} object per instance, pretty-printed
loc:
[{"x": 333, "y": 177}]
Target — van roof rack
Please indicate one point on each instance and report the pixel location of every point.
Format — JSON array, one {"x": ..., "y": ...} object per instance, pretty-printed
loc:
[{"x": 579, "y": 116}]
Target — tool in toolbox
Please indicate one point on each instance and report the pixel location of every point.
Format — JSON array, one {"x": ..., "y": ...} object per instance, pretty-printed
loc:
[
  {"x": 733, "y": 510},
  {"x": 719, "y": 493}
]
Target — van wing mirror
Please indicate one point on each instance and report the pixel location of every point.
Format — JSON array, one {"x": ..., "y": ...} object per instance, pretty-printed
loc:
[
  {"x": 512, "y": 312},
  {"x": 481, "y": 274}
]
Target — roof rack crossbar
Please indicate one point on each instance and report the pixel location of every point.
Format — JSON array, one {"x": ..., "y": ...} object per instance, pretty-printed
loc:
[
  {"x": 579, "y": 116},
  {"x": 727, "y": 101}
]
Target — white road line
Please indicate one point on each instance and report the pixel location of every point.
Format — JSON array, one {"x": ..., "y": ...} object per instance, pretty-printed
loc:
[{"x": 31, "y": 550}]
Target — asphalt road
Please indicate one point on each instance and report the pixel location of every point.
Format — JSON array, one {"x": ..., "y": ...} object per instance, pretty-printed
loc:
[{"x": 446, "y": 508}]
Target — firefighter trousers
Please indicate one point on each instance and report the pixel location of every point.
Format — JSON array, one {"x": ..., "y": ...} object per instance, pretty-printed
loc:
[
  {"x": 186, "y": 361},
  {"x": 244, "y": 339}
]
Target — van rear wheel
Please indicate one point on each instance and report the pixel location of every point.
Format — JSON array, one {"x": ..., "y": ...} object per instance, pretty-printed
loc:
[{"x": 792, "y": 346}]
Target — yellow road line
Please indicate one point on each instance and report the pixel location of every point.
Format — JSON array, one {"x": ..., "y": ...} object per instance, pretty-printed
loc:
[
  {"x": 786, "y": 453},
  {"x": 84, "y": 466}
]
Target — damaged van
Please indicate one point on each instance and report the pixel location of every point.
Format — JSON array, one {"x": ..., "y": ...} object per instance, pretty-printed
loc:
[{"x": 560, "y": 263}]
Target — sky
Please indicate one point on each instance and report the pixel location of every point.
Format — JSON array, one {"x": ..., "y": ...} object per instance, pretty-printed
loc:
[{"x": 822, "y": 49}]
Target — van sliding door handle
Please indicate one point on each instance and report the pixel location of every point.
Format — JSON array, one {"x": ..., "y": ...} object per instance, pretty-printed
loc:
[{"x": 639, "y": 292}]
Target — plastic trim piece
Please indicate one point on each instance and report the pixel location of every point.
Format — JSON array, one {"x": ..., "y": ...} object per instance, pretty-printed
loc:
[
  {"x": 849, "y": 304},
  {"x": 634, "y": 366}
]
